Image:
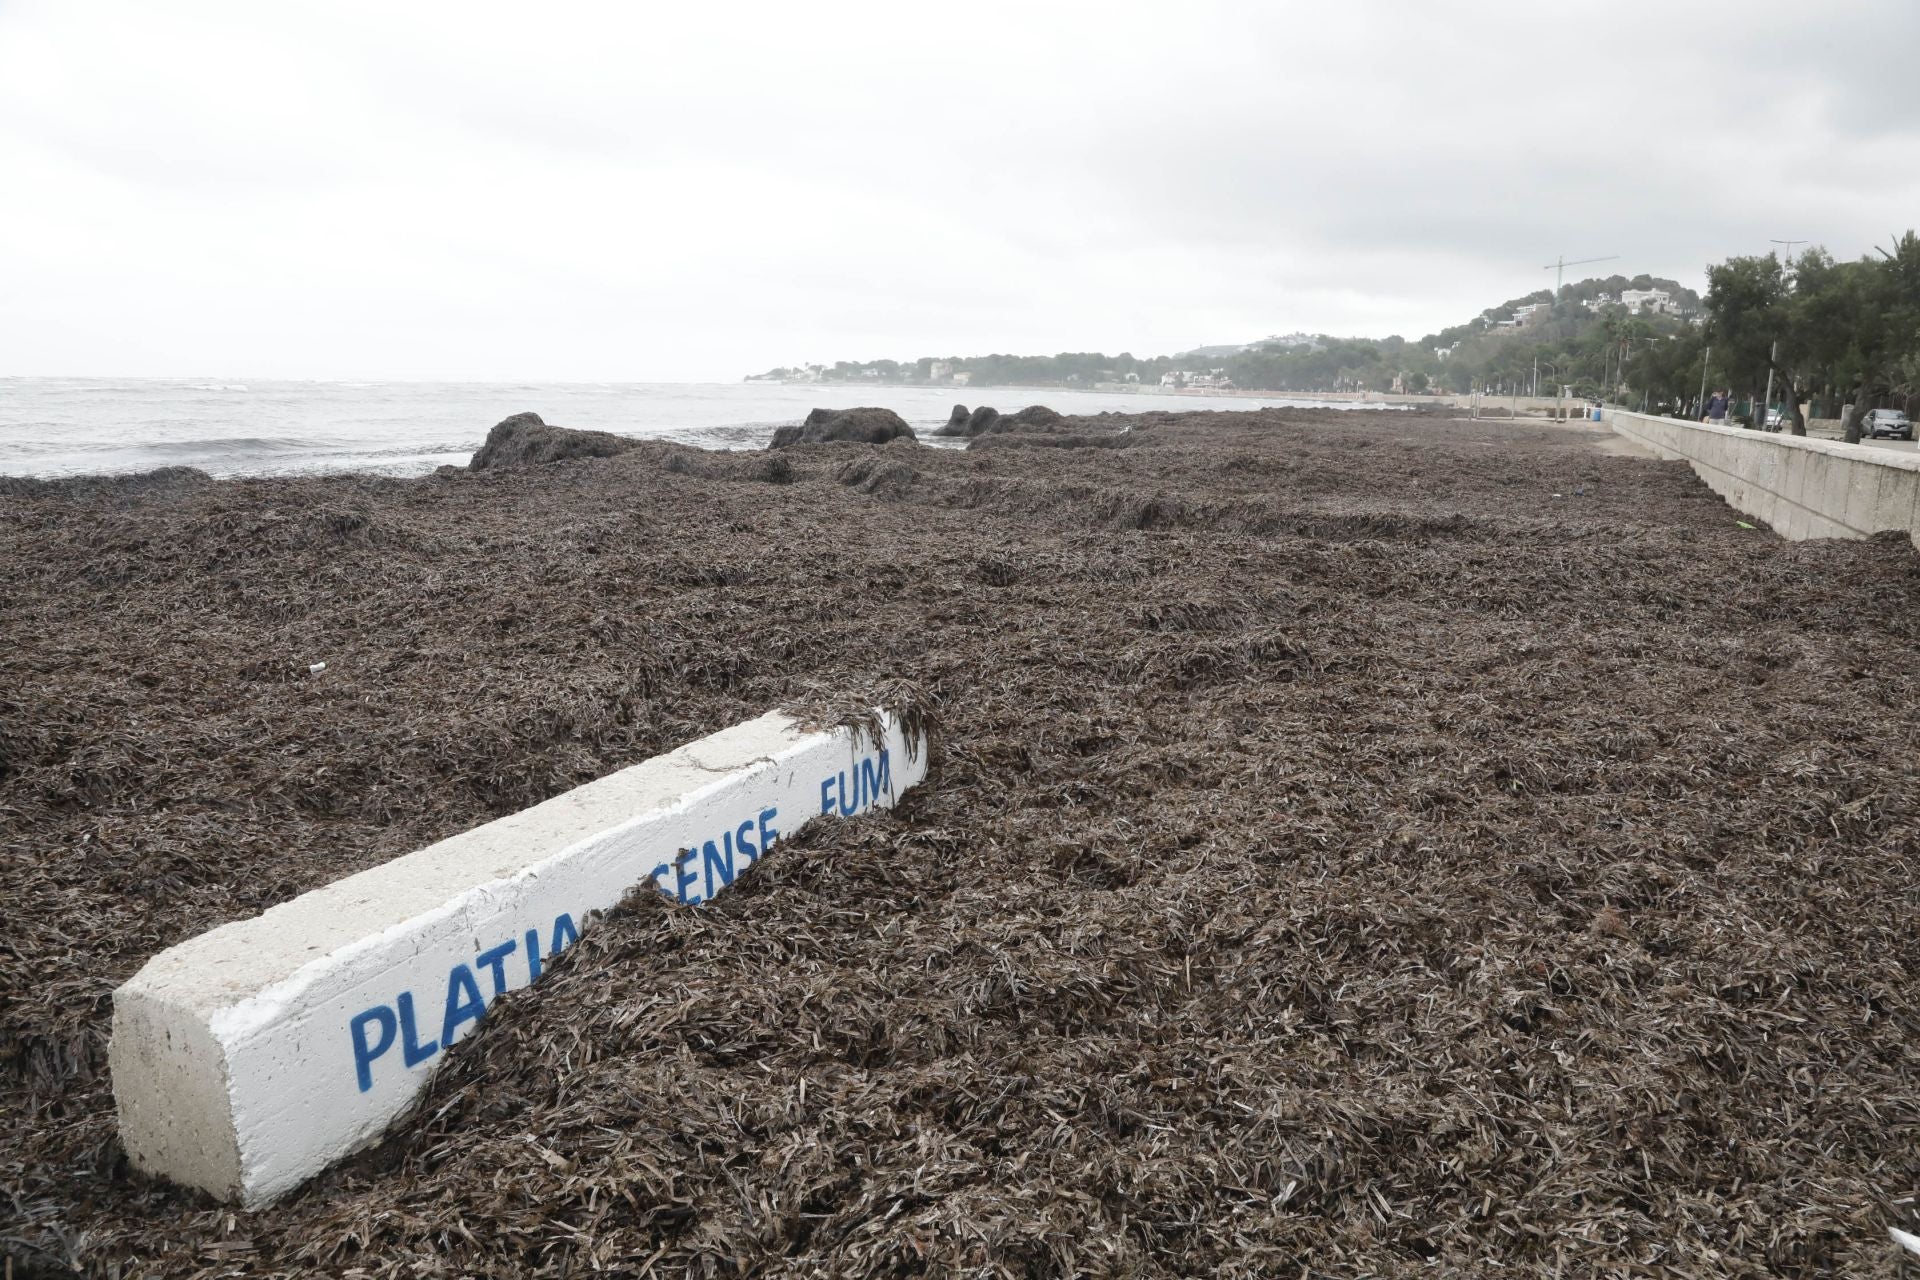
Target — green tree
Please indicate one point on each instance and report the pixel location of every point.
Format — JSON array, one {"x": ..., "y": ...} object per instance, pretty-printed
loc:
[{"x": 1747, "y": 304}]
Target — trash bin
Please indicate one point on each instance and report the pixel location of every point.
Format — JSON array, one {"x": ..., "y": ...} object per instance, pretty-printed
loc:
[{"x": 1596, "y": 415}]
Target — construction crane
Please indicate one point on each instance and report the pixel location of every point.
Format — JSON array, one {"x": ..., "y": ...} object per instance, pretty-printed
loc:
[{"x": 1559, "y": 268}]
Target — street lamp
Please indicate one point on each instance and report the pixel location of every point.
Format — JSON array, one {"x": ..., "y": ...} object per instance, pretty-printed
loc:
[{"x": 1559, "y": 411}]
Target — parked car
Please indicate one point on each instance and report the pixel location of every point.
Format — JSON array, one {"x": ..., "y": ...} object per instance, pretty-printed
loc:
[
  {"x": 1775, "y": 420},
  {"x": 1892, "y": 423}
]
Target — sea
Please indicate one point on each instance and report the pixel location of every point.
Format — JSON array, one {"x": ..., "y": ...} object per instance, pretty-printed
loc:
[{"x": 82, "y": 426}]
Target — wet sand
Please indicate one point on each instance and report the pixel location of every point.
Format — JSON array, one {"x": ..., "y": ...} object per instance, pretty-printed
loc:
[{"x": 1355, "y": 847}]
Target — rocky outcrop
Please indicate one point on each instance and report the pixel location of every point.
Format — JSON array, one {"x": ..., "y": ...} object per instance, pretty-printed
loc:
[
  {"x": 985, "y": 421},
  {"x": 864, "y": 425},
  {"x": 962, "y": 423},
  {"x": 524, "y": 439},
  {"x": 1035, "y": 417}
]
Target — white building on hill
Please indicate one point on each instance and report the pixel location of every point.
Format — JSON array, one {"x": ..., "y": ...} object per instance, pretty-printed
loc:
[{"x": 1650, "y": 300}]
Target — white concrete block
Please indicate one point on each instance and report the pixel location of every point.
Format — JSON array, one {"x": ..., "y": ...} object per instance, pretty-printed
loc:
[
  {"x": 1762, "y": 467},
  {"x": 1913, "y": 512},
  {"x": 1794, "y": 476},
  {"x": 1863, "y": 498},
  {"x": 1899, "y": 497},
  {"x": 249, "y": 1058},
  {"x": 1818, "y": 526},
  {"x": 1836, "y": 485}
]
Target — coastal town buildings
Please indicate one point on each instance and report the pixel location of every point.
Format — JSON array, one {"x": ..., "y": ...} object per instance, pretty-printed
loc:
[
  {"x": 1656, "y": 301},
  {"x": 1213, "y": 379}
]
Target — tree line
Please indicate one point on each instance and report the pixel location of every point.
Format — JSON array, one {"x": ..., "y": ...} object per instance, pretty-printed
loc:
[{"x": 1844, "y": 335}]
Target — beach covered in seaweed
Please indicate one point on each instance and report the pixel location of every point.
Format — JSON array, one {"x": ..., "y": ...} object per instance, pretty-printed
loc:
[{"x": 1384, "y": 845}]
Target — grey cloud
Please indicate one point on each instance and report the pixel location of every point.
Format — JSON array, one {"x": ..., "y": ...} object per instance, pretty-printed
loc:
[{"x": 703, "y": 191}]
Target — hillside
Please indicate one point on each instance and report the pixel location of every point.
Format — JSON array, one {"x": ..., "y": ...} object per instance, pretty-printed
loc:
[{"x": 1503, "y": 346}]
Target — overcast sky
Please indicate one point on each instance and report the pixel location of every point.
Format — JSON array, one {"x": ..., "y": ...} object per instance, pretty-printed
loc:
[{"x": 698, "y": 191}]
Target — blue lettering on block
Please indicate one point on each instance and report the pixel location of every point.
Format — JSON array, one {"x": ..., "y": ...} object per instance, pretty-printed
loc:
[
  {"x": 721, "y": 864},
  {"x": 464, "y": 1004},
  {"x": 495, "y": 960},
  {"x": 411, "y": 1049},
  {"x": 373, "y": 1031},
  {"x": 712, "y": 860},
  {"x": 876, "y": 781},
  {"x": 364, "y": 1053},
  {"x": 696, "y": 874}
]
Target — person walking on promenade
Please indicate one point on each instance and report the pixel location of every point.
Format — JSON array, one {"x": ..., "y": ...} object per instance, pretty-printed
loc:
[{"x": 1717, "y": 408}]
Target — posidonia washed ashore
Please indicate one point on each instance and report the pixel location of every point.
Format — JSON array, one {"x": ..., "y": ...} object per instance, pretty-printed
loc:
[{"x": 1362, "y": 849}]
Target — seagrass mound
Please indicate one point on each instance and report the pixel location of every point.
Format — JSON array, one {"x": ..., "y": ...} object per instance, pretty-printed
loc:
[
  {"x": 525, "y": 438},
  {"x": 129, "y": 486},
  {"x": 985, "y": 420},
  {"x": 1358, "y": 844},
  {"x": 861, "y": 426}
]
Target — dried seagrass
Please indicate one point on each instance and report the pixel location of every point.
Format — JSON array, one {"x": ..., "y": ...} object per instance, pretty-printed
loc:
[{"x": 1359, "y": 844}]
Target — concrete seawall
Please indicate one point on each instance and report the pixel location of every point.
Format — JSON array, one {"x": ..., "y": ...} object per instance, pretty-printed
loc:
[{"x": 1803, "y": 488}]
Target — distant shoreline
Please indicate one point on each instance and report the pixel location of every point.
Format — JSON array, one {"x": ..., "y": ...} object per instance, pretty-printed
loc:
[{"x": 1304, "y": 399}]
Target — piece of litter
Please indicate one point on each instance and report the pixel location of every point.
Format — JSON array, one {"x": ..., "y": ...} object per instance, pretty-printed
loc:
[
  {"x": 1743, "y": 524},
  {"x": 316, "y": 668}
]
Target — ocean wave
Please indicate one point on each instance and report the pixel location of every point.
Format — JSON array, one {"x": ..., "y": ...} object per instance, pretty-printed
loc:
[
  {"x": 165, "y": 448},
  {"x": 218, "y": 445}
]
